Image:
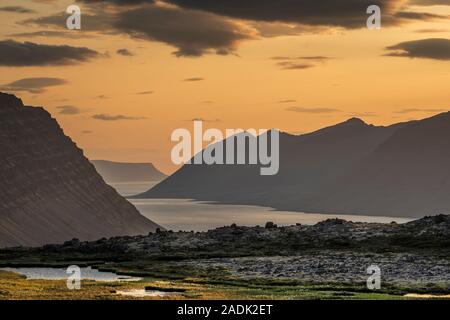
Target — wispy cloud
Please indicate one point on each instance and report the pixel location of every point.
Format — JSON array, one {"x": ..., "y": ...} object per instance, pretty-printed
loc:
[
  {"x": 118, "y": 117},
  {"x": 18, "y": 54},
  {"x": 312, "y": 110},
  {"x": 416, "y": 110},
  {"x": 194, "y": 79},
  {"x": 124, "y": 52},
  {"x": 33, "y": 85},
  {"x": 434, "y": 48},
  {"x": 69, "y": 110},
  {"x": 145, "y": 92},
  {"x": 16, "y": 9}
]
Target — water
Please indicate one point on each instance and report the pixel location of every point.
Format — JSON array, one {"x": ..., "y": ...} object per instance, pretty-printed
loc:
[
  {"x": 187, "y": 215},
  {"x": 87, "y": 273}
]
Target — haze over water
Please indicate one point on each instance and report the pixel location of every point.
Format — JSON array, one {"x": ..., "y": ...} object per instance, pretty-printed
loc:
[{"x": 187, "y": 215}]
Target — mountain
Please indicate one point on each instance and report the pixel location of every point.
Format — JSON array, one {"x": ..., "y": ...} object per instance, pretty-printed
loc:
[
  {"x": 49, "y": 192},
  {"x": 114, "y": 172},
  {"x": 348, "y": 168}
]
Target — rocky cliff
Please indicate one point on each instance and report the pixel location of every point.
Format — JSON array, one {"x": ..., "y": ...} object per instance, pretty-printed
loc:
[{"x": 49, "y": 192}]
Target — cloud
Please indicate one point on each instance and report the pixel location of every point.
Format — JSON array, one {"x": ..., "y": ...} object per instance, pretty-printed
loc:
[
  {"x": 287, "y": 101},
  {"x": 289, "y": 65},
  {"x": 145, "y": 92},
  {"x": 431, "y": 30},
  {"x": 430, "y": 2},
  {"x": 50, "y": 33},
  {"x": 194, "y": 79},
  {"x": 16, "y": 9},
  {"x": 33, "y": 85},
  {"x": 102, "y": 96},
  {"x": 193, "y": 33},
  {"x": 68, "y": 110},
  {"x": 19, "y": 54},
  {"x": 204, "y": 120},
  {"x": 342, "y": 13},
  {"x": 124, "y": 52},
  {"x": 415, "y": 110},
  {"x": 312, "y": 110},
  {"x": 435, "y": 48},
  {"x": 118, "y": 117},
  {"x": 364, "y": 114},
  {"x": 86, "y": 131},
  {"x": 298, "y": 63}
]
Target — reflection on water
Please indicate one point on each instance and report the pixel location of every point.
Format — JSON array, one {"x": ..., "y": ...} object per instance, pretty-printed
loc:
[
  {"x": 142, "y": 293},
  {"x": 187, "y": 215},
  {"x": 60, "y": 274}
]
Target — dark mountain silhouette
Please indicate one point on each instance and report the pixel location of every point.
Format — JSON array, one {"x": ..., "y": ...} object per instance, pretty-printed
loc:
[
  {"x": 49, "y": 192},
  {"x": 113, "y": 172},
  {"x": 351, "y": 167}
]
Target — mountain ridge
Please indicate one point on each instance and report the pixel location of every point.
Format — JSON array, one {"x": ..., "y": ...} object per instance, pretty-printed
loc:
[
  {"x": 49, "y": 192},
  {"x": 322, "y": 171}
]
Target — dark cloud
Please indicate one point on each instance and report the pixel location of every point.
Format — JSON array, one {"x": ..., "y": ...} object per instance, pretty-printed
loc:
[
  {"x": 32, "y": 85},
  {"x": 69, "y": 110},
  {"x": 436, "y": 48},
  {"x": 86, "y": 131},
  {"x": 124, "y": 52},
  {"x": 91, "y": 22},
  {"x": 414, "y": 110},
  {"x": 411, "y": 15},
  {"x": 102, "y": 96},
  {"x": 118, "y": 117},
  {"x": 287, "y": 101},
  {"x": 16, "y": 9},
  {"x": 312, "y": 110},
  {"x": 193, "y": 33},
  {"x": 194, "y": 79},
  {"x": 342, "y": 13},
  {"x": 19, "y": 54}
]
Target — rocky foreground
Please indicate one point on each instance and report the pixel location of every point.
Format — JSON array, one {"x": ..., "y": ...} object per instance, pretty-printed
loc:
[
  {"x": 411, "y": 256},
  {"x": 429, "y": 233}
]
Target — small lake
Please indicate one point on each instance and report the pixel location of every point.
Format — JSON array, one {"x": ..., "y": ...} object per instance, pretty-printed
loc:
[
  {"x": 87, "y": 273},
  {"x": 187, "y": 215}
]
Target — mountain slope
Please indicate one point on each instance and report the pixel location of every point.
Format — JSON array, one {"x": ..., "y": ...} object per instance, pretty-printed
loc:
[
  {"x": 49, "y": 192},
  {"x": 113, "y": 172},
  {"x": 407, "y": 175},
  {"x": 307, "y": 164}
]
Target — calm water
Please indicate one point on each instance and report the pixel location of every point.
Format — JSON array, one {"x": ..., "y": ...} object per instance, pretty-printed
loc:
[
  {"x": 60, "y": 274},
  {"x": 187, "y": 215}
]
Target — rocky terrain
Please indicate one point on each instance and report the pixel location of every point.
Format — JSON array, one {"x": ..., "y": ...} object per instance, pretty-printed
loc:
[
  {"x": 49, "y": 192},
  {"x": 413, "y": 257}
]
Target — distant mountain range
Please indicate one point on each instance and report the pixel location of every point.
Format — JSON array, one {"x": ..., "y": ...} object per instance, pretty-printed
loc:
[
  {"x": 49, "y": 192},
  {"x": 352, "y": 167},
  {"x": 114, "y": 172}
]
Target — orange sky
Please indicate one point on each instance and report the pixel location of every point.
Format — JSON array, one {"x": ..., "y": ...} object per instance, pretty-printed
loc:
[{"x": 242, "y": 90}]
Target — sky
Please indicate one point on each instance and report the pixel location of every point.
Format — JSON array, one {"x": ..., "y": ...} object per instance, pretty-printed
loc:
[{"x": 139, "y": 69}]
